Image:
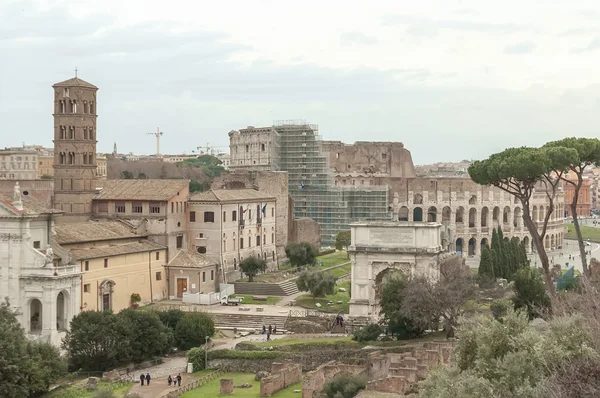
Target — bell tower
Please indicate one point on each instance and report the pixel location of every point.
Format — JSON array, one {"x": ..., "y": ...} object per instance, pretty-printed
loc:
[{"x": 74, "y": 148}]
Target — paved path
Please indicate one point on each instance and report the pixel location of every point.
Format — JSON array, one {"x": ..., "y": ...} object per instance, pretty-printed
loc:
[{"x": 159, "y": 374}]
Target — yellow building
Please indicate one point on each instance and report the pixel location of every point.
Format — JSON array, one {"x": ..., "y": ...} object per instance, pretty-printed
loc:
[
  {"x": 115, "y": 263},
  {"x": 45, "y": 163}
]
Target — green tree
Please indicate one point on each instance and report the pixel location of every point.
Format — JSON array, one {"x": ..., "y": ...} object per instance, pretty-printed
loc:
[
  {"x": 170, "y": 318},
  {"x": 142, "y": 176},
  {"x": 192, "y": 330},
  {"x": 196, "y": 357},
  {"x": 588, "y": 154},
  {"x": 319, "y": 284},
  {"x": 345, "y": 385},
  {"x": 530, "y": 293},
  {"x": 251, "y": 266},
  {"x": 300, "y": 254},
  {"x": 519, "y": 171},
  {"x": 390, "y": 302},
  {"x": 486, "y": 264},
  {"x": 97, "y": 340},
  {"x": 46, "y": 177},
  {"x": 199, "y": 186},
  {"x": 342, "y": 240},
  {"x": 128, "y": 175},
  {"x": 27, "y": 368},
  {"x": 368, "y": 333},
  {"x": 146, "y": 334}
]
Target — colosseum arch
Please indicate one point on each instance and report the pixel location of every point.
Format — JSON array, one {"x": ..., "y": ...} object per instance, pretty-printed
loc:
[
  {"x": 496, "y": 214},
  {"x": 506, "y": 215},
  {"x": 518, "y": 216},
  {"x": 460, "y": 215},
  {"x": 547, "y": 242},
  {"x": 552, "y": 241},
  {"x": 418, "y": 199},
  {"x": 432, "y": 214},
  {"x": 403, "y": 214},
  {"x": 472, "y": 246},
  {"x": 516, "y": 201},
  {"x": 526, "y": 243},
  {"x": 459, "y": 245},
  {"x": 534, "y": 213},
  {"x": 446, "y": 214},
  {"x": 484, "y": 242},
  {"x": 484, "y": 216},
  {"x": 472, "y": 217},
  {"x": 541, "y": 214},
  {"x": 417, "y": 214},
  {"x": 473, "y": 200}
]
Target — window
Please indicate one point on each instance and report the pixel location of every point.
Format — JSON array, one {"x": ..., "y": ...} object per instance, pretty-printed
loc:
[
  {"x": 212, "y": 274},
  {"x": 383, "y": 156},
  {"x": 87, "y": 266},
  {"x": 120, "y": 207},
  {"x": 209, "y": 216},
  {"x": 272, "y": 211},
  {"x": 102, "y": 206},
  {"x": 158, "y": 255},
  {"x": 192, "y": 216},
  {"x": 136, "y": 207},
  {"x": 257, "y": 240},
  {"x": 158, "y": 276},
  {"x": 172, "y": 207},
  {"x": 154, "y": 207},
  {"x": 234, "y": 215},
  {"x": 203, "y": 276},
  {"x": 224, "y": 216},
  {"x": 241, "y": 243},
  {"x": 249, "y": 214},
  {"x": 272, "y": 238},
  {"x": 200, "y": 235},
  {"x": 179, "y": 241},
  {"x": 105, "y": 263},
  {"x": 86, "y": 288},
  {"x": 201, "y": 249},
  {"x": 36, "y": 244},
  {"x": 234, "y": 264},
  {"x": 262, "y": 147},
  {"x": 337, "y": 155},
  {"x": 247, "y": 147}
]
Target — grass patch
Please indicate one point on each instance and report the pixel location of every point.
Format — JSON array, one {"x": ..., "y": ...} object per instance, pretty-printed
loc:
[
  {"x": 212, "y": 388},
  {"x": 239, "y": 354},
  {"x": 78, "y": 390},
  {"x": 294, "y": 341},
  {"x": 590, "y": 233},
  {"x": 248, "y": 299},
  {"x": 333, "y": 259},
  {"x": 306, "y": 300}
]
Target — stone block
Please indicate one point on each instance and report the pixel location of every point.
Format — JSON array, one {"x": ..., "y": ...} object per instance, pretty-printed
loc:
[
  {"x": 92, "y": 383},
  {"x": 226, "y": 387}
]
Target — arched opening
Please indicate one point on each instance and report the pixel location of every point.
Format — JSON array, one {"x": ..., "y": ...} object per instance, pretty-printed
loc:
[
  {"x": 403, "y": 214},
  {"x": 106, "y": 294},
  {"x": 235, "y": 264},
  {"x": 516, "y": 201},
  {"x": 446, "y": 214},
  {"x": 459, "y": 245},
  {"x": 484, "y": 243},
  {"x": 472, "y": 217},
  {"x": 460, "y": 215},
  {"x": 484, "y": 216},
  {"x": 35, "y": 316},
  {"x": 473, "y": 200},
  {"x": 273, "y": 254},
  {"x": 385, "y": 276},
  {"x": 61, "y": 311},
  {"x": 472, "y": 247},
  {"x": 518, "y": 216},
  {"x": 552, "y": 242},
  {"x": 547, "y": 242},
  {"x": 417, "y": 214},
  {"x": 534, "y": 213},
  {"x": 541, "y": 214},
  {"x": 496, "y": 214},
  {"x": 506, "y": 215},
  {"x": 526, "y": 243},
  {"x": 418, "y": 199},
  {"x": 432, "y": 214}
]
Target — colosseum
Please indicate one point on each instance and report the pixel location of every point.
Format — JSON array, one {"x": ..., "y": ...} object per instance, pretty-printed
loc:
[{"x": 468, "y": 211}]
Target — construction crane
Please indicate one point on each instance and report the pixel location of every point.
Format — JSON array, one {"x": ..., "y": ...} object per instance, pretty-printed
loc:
[
  {"x": 158, "y": 134},
  {"x": 208, "y": 149}
]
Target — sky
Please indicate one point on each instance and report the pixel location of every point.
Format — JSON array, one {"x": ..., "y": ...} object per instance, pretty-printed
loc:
[{"x": 452, "y": 80}]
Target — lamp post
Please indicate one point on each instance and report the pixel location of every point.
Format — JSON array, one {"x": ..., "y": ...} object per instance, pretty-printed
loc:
[{"x": 206, "y": 353}]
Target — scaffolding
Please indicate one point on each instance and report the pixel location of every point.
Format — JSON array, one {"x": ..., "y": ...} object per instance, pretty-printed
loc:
[{"x": 312, "y": 185}]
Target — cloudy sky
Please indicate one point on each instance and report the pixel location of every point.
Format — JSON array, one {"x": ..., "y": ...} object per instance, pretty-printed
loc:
[{"x": 451, "y": 79}]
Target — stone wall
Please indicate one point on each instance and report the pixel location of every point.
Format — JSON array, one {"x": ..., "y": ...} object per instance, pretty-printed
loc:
[
  {"x": 306, "y": 230},
  {"x": 313, "y": 382},
  {"x": 282, "y": 376}
]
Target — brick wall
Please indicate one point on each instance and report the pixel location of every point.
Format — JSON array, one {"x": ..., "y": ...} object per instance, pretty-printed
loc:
[{"x": 282, "y": 376}]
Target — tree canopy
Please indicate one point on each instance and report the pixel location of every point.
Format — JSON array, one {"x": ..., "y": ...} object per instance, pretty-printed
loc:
[
  {"x": 342, "y": 239},
  {"x": 319, "y": 284},
  {"x": 300, "y": 254},
  {"x": 252, "y": 265},
  {"x": 390, "y": 309}
]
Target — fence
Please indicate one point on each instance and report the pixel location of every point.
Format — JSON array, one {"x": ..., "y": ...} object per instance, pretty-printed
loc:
[{"x": 193, "y": 385}]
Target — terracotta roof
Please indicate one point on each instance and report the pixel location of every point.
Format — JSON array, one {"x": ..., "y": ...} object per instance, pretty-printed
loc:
[
  {"x": 75, "y": 82},
  {"x": 189, "y": 259},
  {"x": 116, "y": 250},
  {"x": 92, "y": 231},
  {"x": 230, "y": 195},
  {"x": 30, "y": 207},
  {"x": 159, "y": 190}
]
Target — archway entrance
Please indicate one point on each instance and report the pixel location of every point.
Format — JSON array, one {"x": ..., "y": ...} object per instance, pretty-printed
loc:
[
  {"x": 417, "y": 214},
  {"x": 35, "y": 316},
  {"x": 459, "y": 245},
  {"x": 472, "y": 247},
  {"x": 61, "y": 312}
]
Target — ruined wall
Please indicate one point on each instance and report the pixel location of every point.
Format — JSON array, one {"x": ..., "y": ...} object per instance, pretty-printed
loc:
[
  {"x": 306, "y": 230},
  {"x": 282, "y": 376}
]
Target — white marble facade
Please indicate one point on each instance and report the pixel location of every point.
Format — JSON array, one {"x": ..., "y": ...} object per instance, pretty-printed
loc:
[
  {"x": 379, "y": 250},
  {"x": 35, "y": 278}
]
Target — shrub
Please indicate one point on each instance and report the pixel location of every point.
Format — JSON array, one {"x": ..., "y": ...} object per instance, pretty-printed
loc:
[
  {"x": 251, "y": 266},
  {"x": 195, "y": 356},
  {"x": 170, "y": 318},
  {"x": 499, "y": 308},
  {"x": 300, "y": 254},
  {"x": 250, "y": 355},
  {"x": 368, "y": 333},
  {"x": 345, "y": 385},
  {"x": 530, "y": 292},
  {"x": 319, "y": 284},
  {"x": 192, "y": 330}
]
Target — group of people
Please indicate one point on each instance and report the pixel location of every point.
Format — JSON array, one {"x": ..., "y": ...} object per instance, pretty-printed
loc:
[
  {"x": 269, "y": 331},
  {"x": 174, "y": 380},
  {"x": 339, "y": 320}
]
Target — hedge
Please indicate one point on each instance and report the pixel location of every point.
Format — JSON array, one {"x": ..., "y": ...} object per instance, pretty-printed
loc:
[
  {"x": 324, "y": 252},
  {"x": 237, "y": 354}
]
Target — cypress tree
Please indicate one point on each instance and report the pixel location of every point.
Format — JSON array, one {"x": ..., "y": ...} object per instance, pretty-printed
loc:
[{"x": 486, "y": 263}]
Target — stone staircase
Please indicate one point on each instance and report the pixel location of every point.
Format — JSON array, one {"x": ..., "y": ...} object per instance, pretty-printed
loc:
[
  {"x": 285, "y": 288},
  {"x": 248, "y": 321}
]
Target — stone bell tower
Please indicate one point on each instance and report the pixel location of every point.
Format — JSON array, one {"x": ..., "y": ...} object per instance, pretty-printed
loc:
[{"x": 74, "y": 148}]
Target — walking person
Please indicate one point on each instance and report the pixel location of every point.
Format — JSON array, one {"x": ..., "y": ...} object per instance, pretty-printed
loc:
[
  {"x": 264, "y": 331},
  {"x": 170, "y": 380},
  {"x": 179, "y": 380},
  {"x": 148, "y": 378},
  {"x": 270, "y": 329},
  {"x": 275, "y": 329},
  {"x": 142, "y": 378},
  {"x": 268, "y": 334}
]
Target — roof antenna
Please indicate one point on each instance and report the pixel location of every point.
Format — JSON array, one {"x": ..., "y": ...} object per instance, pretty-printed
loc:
[{"x": 76, "y": 71}]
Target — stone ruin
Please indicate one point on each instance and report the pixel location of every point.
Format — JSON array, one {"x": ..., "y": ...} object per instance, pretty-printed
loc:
[
  {"x": 282, "y": 375},
  {"x": 226, "y": 387},
  {"x": 387, "y": 373}
]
